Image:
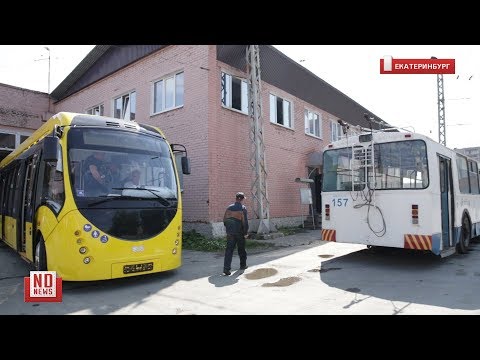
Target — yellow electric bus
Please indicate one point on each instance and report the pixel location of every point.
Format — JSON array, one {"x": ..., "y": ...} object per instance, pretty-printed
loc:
[{"x": 93, "y": 198}]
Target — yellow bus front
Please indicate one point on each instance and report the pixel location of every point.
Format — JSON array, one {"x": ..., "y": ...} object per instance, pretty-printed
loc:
[{"x": 112, "y": 205}]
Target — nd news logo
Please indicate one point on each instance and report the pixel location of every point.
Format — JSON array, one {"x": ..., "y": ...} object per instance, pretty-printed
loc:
[{"x": 42, "y": 286}]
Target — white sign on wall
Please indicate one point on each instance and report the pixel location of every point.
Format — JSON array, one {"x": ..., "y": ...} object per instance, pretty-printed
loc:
[{"x": 306, "y": 195}]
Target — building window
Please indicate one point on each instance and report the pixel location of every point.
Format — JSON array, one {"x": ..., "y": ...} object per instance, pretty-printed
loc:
[
  {"x": 234, "y": 93},
  {"x": 280, "y": 111},
  {"x": 7, "y": 141},
  {"x": 313, "y": 124},
  {"x": 96, "y": 110},
  {"x": 10, "y": 141},
  {"x": 124, "y": 106},
  {"x": 168, "y": 93},
  {"x": 336, "y": 131}
]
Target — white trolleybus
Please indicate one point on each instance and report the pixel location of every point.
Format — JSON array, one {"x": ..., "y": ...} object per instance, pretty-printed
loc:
[{"x": 399, "y": 189}]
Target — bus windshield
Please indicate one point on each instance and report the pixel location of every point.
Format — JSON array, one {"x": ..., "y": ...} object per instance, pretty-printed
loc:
[
  {"x": 120, "y": 163},
  {"x": 397, "y": 165}
]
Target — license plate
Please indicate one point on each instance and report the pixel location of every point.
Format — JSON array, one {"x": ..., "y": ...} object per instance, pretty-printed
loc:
[{"x": 129, "y": 269}]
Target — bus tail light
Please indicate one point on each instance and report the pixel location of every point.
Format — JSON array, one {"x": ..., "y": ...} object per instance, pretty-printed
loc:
[
  {"x": 327, "y": 212},
  {"x": 414, "y": 214}
]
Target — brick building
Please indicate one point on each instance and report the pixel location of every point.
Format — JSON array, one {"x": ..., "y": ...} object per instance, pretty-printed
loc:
[
  {"x": 21, "y": 113},
  {"x": 197, "y": 94}
]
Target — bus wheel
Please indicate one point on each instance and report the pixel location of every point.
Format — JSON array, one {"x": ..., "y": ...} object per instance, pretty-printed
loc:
[
  {"x": 465, "y": 236},
  {"x": 40, "y": 255}
]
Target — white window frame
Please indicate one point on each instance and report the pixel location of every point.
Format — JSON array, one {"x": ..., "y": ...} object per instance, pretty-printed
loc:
[
  {"x": 273, "y": 111},
  {"x": 164, "y": 94},
  {"x": 17, "y": 134},
  {"x": 226, "y": 90},
  {"x": 93, "y": 108},
  {"x": 311, "y": 132},
  {"x": 129, "y": 94},
  {"x": 336, "y": 131}
]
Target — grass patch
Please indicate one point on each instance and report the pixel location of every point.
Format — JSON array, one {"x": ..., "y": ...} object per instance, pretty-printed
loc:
[{"x": 193, "y": 240}]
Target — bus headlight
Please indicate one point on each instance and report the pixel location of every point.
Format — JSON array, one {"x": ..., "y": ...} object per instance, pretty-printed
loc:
[
  {"x": 174, "y": 251},
  {"x": 176, "y": 242},
  {"x": 82, "y": 250},
  {"x": 86, "y": 260}
]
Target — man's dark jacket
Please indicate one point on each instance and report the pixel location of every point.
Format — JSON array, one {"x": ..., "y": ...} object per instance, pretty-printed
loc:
[{"x": 236, "y": 220}]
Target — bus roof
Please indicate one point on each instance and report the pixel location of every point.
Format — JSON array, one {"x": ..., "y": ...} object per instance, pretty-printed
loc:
[
  {"x": 68, "y": 118},
  {"x": 388, "y": 136},
  {"x": 378, "y": 136}
]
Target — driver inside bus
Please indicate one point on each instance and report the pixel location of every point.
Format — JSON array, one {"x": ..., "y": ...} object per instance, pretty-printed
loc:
[{"x": 95, "y": 177}]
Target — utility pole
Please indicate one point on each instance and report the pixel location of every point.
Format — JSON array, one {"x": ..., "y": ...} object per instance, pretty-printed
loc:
[
  {"x": 261, "y": 206},
  {"x": 48, "y": 69},
  {"x": 442, "y": 136},
  {"x": 48, "y": 49},
  {"x": 47, "y": 114}
]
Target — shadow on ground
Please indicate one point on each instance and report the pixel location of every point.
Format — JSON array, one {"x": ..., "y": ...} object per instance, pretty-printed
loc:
[
  {"x": 110, "y": 296},
  {"x": 408, "y": 276}
]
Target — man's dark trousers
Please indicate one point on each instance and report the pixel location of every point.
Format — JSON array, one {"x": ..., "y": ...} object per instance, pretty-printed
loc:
[{"x": 232, "y": 240}]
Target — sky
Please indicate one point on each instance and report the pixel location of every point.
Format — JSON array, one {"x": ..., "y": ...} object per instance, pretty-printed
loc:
[{"x": 401, "y": 100}]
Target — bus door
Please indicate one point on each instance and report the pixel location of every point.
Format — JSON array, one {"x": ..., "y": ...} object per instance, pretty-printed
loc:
[
  {"x": 318, "y": 192},
  {"x": 5, "y": 195},
  {"x": 2, "y": 187},
  {"x": 27, "y": 208},
  {"x": 446, "y": 200},
  {"x": 18, "y": 205},
  {"x": 10, "y": 225}
]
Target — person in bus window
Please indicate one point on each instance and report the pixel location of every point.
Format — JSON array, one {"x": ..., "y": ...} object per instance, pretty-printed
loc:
[
  {"x": 114, "y": 175},
  {"x": 133, "y": 180},
  {"x": 95, "y": 176}
]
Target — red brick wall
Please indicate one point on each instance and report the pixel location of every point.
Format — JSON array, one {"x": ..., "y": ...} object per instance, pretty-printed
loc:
[
  {"x": 217, "y": 139},
  {"x": 186, "y": 125},
  {"x": 22, "y": 108},
  {"x": 285, "y": 155}
]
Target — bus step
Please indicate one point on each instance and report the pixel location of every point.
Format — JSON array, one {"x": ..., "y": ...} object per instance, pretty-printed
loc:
[{"x": 448, "y": 252}]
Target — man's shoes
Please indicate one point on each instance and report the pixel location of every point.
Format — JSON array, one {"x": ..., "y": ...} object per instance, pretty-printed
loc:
[
  {"x": 243, "y": 267},
  {"x": 226, "y": 272}
]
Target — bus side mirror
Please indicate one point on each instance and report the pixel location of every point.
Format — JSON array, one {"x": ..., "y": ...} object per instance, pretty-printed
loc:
[
  {"x": 186, "y": 165},
  {"x": 50, "y": 149}
]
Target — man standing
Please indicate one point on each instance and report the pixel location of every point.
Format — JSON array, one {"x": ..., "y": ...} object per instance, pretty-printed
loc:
[{"x": 236, "y": 224}]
